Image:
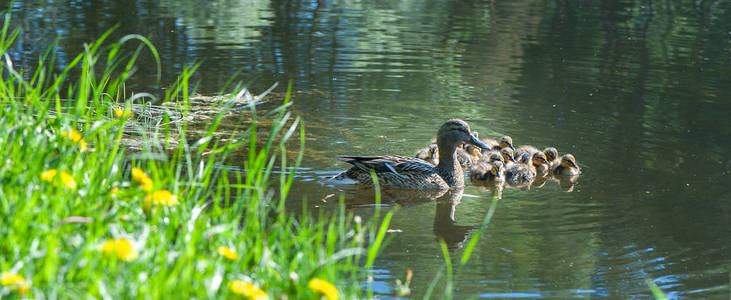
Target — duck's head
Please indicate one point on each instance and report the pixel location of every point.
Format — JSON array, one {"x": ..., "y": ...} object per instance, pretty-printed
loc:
[
  {"x": 551, "y": 153},
  {"x": 507, "y": 154},
  {"x": 568, "y": 161},
  {"x": 540, "y": 159},
  {"x": 456, "y": 132},
  {"x": 494, "y": 156},
  {"x": 506, "y": 142}
]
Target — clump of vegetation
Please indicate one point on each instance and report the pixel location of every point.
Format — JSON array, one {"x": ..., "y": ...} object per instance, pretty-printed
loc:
[{"x": 82, "y": 217}]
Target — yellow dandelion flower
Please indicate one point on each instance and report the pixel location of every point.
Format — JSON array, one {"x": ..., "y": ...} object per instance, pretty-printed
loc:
[
  {"x": 247, "y": 289},
  {"x": 114, "y": 191},
  {"x": 122, "y": 248},
  {"x": 324, "y": 288},
  {"x": 15, "y": 282},
  {"x": 146, "y": 184},
  {"x": 66, "y": 178},
  {"x": 144, "y": 180},
  {"x": 75, "y": 136},
  {"x": 119, "y": 112},
  {"x": 82, "y": 145},
  {"x": 228, "y": 252},
  {"x": 162, "y": 197},
  {"x": 48, "y": 175}
]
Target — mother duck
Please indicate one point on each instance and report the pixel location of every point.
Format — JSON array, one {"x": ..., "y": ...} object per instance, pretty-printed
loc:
[{"x": 402, "y": 172}]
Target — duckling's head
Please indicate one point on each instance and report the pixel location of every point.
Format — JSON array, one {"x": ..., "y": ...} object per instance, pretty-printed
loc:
[
  {"x": 507, "y": 154},
  {"x": 456, "y": 132},
  {"x": 433, "y": 151},
  {"x": 524, "y": 158},
  {"x": 498, "y": 169},
  {"x": 551, "y": 153},
  {"x": 568, "y": 161},
  {"x": 506, "y": 142},
  {"x": 494, "y": 156},
  {"x": 540, "y": 159},
  {"x": 472, "y": 150}
]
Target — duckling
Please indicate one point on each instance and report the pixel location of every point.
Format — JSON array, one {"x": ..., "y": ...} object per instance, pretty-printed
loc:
[
  {"x": 567, "y": 166},
  {"x": 543, "y": 167},
  {"x": 551, "y": 156},
  {"x": 508, "y": 155},
  {"x": 488, "y": 171},
  {"x": 468, "y": 154},
  {"x": 429, "y": 154},
  {"x": 521, "y": 172},
  {"x": 526, "y": 149},
  {"x": 401, "y": 172},
  {"x": 503, "y": 142}
]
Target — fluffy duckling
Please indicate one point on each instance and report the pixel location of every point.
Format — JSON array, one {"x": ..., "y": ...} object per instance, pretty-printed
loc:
[
  {"x": 503, "y": 142},
  {"x": 493, "y": 171},
  {"x": 521, "y": 172},
  {"x": 543, "y": 167},
  {"x": 429, "y": 154},
  {"x": 567, "y": 166},
  {"x": 526, "y": 149},
  {"x": 525, "y": 168},
  {"x": 468, "y": 154},
  {"x": 508, "y": 155},
  {"x": 551, "y": 155}
]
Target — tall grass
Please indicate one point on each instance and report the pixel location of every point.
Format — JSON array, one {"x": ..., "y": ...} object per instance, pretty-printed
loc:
[{"x": 177, "y": 227}]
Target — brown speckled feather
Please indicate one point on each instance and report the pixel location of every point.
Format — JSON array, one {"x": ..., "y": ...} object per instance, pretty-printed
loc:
[{"x": 394, "y": 171}]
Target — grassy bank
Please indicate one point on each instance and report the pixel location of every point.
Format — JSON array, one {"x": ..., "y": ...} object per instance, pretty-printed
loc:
[{"x": 81, "y": 216}]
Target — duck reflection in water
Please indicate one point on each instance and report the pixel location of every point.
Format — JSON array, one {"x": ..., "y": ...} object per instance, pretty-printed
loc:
[{"x": 445, "y": 225}]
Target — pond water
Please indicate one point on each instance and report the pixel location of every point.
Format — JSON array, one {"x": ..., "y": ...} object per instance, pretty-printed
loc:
[{"x": 638, "y": 91}]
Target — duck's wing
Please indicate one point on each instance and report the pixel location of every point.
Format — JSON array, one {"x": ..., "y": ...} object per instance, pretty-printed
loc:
[{"x": 388, "y": 163}]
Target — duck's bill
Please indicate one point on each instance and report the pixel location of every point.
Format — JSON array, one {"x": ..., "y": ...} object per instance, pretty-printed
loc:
[{"x": 478, "y": 143}]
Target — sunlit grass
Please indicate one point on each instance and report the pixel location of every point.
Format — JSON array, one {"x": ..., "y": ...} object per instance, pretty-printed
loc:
[{"x": 83, "y": 217}]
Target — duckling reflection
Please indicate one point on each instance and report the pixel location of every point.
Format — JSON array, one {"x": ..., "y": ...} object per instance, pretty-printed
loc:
[
  {"x": 540, "y": 181},
  {"x": 567, "y": 182},
  {"x": 445, "y": 226}
]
